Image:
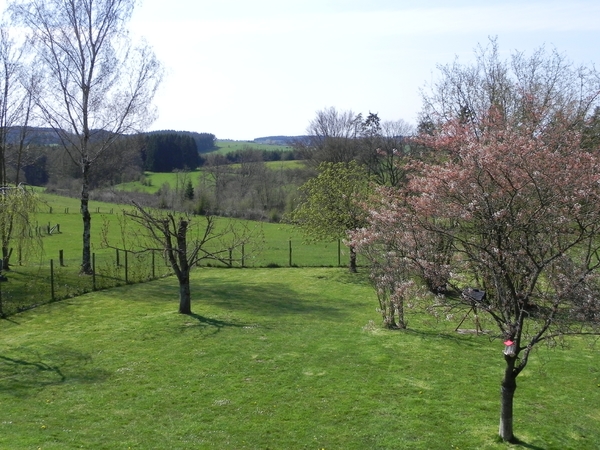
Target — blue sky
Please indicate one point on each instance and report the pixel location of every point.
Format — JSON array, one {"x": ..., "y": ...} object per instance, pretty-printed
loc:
[{"x": 243, "y": 69}]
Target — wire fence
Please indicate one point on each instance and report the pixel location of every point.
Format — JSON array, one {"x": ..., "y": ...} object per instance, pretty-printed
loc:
[{"x": 27, "y": 286}]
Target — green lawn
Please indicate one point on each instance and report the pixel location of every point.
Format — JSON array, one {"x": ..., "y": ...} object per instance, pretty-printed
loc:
[{"x": 273, "y": 358}]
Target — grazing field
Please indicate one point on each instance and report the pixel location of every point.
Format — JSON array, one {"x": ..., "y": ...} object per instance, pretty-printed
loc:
[
  {"x": 224, "y": 147},
  {"x": 33, "y": 282},
  {"x": 273, "y": 358},
  {"x": 273, "y": 250},
  {"x": 153, "y": 181}
]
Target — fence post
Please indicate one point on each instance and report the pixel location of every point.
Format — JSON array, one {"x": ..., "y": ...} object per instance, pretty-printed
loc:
[
  {"x": 93, "y": 271},
  {"x": 52, "y": 279},
  {"x": 290, "y": 258},
  {"x": 153, "y": 270},
  {"x": 1, "y": 309},
  {"x": 243, "y": 255},
  {"x": 230, "y": 257},
  {"x": 118, "y": 263},
  {"x": 126, "y": 269},
  {"x": 339, "y": 252},
  {"x": 58, "y": 227},
  {"x": 61, "y": 258}
]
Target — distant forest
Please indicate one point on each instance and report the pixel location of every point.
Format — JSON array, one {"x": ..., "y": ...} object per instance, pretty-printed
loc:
[{"x": 45, "y": 161}]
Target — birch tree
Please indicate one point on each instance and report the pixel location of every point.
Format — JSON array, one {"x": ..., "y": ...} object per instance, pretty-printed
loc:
[
  {"x": 98, "y": 84},
  {"x": 18, "y": 88}
]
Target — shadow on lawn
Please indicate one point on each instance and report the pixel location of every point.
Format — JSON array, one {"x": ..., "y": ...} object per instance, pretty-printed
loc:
[
  {"x": 451, "y": 336},
  {"x": 520, "y": 444},
  {"x": 27, "y": 372},
  {"x": 266, "y": 298},
  {"x": 214, "y": 324}
]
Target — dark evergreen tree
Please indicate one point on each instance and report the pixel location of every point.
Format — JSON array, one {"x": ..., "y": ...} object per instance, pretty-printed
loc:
[{"x": 165, "y": 152}]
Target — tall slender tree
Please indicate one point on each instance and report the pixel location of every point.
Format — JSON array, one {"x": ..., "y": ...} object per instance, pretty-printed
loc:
[
  {"x": 99, "y": 85},
  {"x": 17, "y": 94}
]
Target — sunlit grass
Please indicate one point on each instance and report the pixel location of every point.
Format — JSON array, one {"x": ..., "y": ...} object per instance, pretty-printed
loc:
[{"x": 273, "y": 358}]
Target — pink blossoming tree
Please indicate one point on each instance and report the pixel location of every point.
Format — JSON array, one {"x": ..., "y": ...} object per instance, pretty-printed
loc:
[{"x": 512, "y": 204}]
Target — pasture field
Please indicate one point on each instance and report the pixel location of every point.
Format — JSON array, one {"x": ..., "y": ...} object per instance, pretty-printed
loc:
[
  {"x": 274, "y": 359},
  {"x": 224, "y": 146},
  {"x": 273, "y": 250},
  {"x": 153, "y": 181},
  {"x": 31, "y": 283}
]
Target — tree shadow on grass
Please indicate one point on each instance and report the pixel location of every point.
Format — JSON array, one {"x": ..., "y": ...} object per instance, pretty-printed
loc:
[
  {"x": 212, "y": 325},
  {"x": 466, "y": 339},
  {"x": 269, "y": 298},
  {"x": 264, "y": 299},
  {"x": 27, "y": 372},
  {"x": 521, "y": 444}
]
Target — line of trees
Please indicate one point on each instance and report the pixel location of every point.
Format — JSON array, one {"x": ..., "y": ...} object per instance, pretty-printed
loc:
[{"x": 166, "y": 152}]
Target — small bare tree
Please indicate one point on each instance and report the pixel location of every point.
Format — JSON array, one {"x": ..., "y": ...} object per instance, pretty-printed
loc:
[
  {"x": 332, "y": 137},
  {"x": 185, "y": 245}
]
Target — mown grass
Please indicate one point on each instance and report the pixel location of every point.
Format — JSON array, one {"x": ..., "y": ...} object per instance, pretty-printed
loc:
[{"x": 273, "y": 358}]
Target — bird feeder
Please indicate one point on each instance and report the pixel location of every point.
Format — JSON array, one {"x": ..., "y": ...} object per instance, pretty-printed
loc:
[{"x": 509, "y": 348}]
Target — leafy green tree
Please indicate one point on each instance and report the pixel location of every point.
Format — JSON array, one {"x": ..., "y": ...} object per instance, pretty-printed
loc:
[
  {"x": 17, "y": 208},
  {"x": 331, "y": 204}
]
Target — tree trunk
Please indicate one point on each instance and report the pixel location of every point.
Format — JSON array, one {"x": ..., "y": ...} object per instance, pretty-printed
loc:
[
  {"x": 185, "y": 299},
  {"x": 352, "y": 260},
  {"x": 400, "y": 312},
  {"x": 86, "y": 260},
  {"x": 4, "y": 262},
  {"x": 507, "y": 393}
]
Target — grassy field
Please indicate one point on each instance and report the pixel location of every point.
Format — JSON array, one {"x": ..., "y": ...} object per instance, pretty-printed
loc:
[
  {"x": 273, "y": 359},
  {"x": 275, "y": 250},
  {"x": 33, "y": 282},
  {"x": 153, "y": 181},
  {"x": 225, "y": 147}
]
